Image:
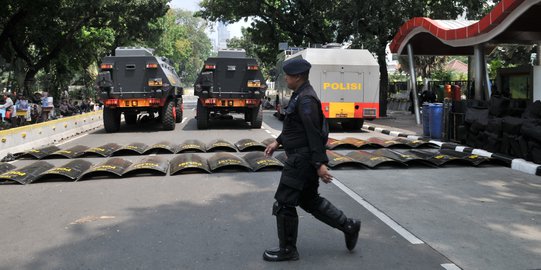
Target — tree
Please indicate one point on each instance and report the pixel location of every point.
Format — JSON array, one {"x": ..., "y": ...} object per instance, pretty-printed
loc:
[
  {"x": 425, "y": 66},
  {"x": 297, "y": 22},
  {"x": 506, "y": 56},
  {"x": 183, "y": 41},
  {"x": 374, "y": 24},
  {"x": 245, "y": 42},
  {"x": 60, "y": 35},
  {"x": 369, "y": 24}
]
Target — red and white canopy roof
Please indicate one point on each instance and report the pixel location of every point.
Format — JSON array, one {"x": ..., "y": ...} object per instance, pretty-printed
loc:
[{"x": 510, "y": 21}]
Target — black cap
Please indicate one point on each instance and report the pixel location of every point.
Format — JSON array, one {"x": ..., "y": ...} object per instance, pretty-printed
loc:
[{"x": 296, "y": 66}]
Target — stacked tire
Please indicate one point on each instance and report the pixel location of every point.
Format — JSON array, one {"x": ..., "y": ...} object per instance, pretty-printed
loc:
[
  {"x": 476, "y": 122},
  {"x": 531, "y": 131},
  {"x": 513, "y": 143},
  {"x": 496, "y": 128}
]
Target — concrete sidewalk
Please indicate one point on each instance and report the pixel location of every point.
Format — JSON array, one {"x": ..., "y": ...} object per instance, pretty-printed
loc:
[{"x": 398, "y": 121}]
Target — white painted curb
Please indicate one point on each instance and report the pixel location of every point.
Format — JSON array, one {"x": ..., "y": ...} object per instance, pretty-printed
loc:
[{"x": 25, "y": 138}]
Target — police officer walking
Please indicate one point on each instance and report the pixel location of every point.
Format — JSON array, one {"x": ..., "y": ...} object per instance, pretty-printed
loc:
[{"x": 303, "y": 137}]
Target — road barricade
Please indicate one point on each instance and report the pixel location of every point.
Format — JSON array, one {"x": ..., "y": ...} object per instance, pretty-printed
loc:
[{"x": 25, "y": 138}]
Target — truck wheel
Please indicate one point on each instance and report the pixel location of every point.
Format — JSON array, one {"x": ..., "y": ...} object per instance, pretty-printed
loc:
[
  {"x": 257, "y": 117},
  {"x": 202, "y": 116},
  {"x": 248, "y": 115},
  {"x": 111, "y": 120},
  {"x": 179, "y": 113},
  {"x": 168, "y": 119},
  {"x": 130, "y": 119}
]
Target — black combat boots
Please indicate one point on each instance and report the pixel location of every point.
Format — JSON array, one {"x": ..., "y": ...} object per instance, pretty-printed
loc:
[
  {"x": 287, "y": 236},
  {"x": 332, "y": 216},
  {"x": 351, "y": 231}
]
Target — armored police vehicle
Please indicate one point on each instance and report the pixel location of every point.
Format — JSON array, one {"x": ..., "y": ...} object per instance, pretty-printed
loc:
[
  {"x": 230, "y": 83},
  {"x": 345, "y": 80},
  {"x": 134, "y": 81}
]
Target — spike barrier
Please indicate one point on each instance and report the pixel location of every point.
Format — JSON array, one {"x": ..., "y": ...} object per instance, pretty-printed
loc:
[
  {"x": 117, "y": 167},
  {"x": 196, "y": 146},
  {"x": 517, "y": 164}
]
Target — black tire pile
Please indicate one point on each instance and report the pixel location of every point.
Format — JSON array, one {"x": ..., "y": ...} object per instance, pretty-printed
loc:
[{"x": 504, "y": 126}]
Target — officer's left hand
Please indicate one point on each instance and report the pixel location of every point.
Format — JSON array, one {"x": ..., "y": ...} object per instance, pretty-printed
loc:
[
  {"x": 271, "y": 148},
  {"x": 324, "y": 174}
]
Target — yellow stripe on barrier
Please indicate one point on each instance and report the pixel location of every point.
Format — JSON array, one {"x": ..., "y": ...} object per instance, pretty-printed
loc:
[{"x": 48, "y": 123}]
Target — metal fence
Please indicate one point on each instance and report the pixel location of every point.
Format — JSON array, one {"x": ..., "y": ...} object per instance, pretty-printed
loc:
[{"x": 399, "y": 98}]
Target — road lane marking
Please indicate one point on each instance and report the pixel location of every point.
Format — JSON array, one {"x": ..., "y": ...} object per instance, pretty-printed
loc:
[
  {"x": 73, "y": 139},
  {"x": 268, "y": 131},
  {"x": 383, "y": 217},
  {"x": 184, "y": 119},
  {"x": 274, "y": 136},
  {"x": 267, "y": 127},
  {"x": 450, "y": 266}
]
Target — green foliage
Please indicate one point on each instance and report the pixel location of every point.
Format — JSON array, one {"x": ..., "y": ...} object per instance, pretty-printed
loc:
[
  {"x": 296, "y": 22},
  {"x": 509, "y": 56},
  {"x": 245, "y": 42},
  {"x": 398, "y": 77},
  {"x": 369, "y": 24},
  {"x": 183, "y": 41},
  {"x": 442, "y": 75},
  {"x": 60, "y": 38},
  {"x": 425, "y": 66}
]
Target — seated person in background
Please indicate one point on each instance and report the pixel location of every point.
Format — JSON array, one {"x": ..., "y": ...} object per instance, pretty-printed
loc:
[
  {"x": 8, "y": 107},
  {"x": 36, "y": 98},
  {"x": 76, "y": 108},
  {"x": 64, "y": 109},
  {"x": 85, "y": 105},
  {"x": 267, "y": 103},
  {"x": 22, "y": 105}
]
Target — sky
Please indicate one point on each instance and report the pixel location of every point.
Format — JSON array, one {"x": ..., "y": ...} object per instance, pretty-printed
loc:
[{"x": 193, "y": 5}]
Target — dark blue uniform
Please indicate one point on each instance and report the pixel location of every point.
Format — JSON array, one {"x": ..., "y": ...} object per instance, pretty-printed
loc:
[
  {"x": 302, "y": 134},
  {"x": 304, "y": 142}
]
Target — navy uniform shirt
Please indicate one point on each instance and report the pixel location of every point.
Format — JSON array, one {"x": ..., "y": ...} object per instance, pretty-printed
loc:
[{"x": 302, "y": 124}]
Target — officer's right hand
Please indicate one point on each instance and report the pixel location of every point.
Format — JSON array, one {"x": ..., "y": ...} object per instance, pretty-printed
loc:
[
  {"x": 323, "y": 173},
  {"x": 271, "y": 148}
]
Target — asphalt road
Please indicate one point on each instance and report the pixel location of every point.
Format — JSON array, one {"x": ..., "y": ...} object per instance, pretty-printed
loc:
[{"x": 416, "y": 218}]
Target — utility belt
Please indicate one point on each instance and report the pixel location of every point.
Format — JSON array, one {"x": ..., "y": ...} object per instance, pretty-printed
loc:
[{"x": 304, "y": 149}]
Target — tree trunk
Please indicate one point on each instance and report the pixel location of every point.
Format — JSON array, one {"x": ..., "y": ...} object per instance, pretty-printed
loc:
[
  {"x": 29, "y": 81},
  {"x": 383, "y": 82}
]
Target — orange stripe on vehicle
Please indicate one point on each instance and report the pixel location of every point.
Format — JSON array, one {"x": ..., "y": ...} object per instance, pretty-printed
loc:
[
  {"x": 367, "y": 105},
  {"x": 325, "y": 109}
]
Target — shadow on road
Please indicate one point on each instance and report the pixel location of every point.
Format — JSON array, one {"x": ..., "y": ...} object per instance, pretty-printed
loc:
[
  {"x": 219, "y": 124},
  {"x": 224, "y": 223}
]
